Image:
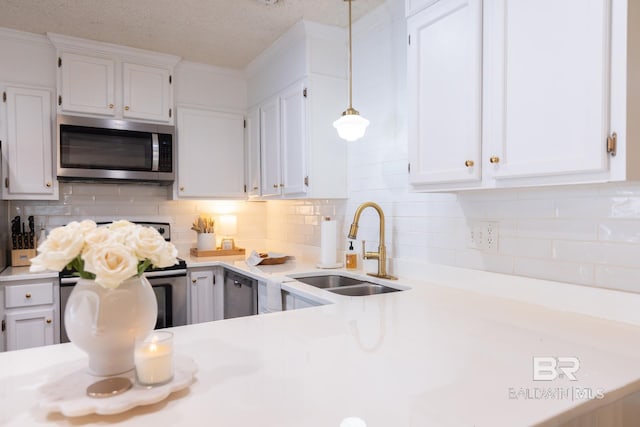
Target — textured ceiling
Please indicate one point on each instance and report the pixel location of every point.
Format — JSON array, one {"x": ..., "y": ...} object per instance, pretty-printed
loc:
[{"x": 228, "y": 33}]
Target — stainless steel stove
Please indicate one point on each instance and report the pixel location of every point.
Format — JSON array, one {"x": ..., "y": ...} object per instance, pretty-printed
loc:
[{"x": 169, "y": 285}]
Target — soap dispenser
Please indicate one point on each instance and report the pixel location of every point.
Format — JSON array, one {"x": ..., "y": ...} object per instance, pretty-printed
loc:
[{"x": 351, "y": 257}]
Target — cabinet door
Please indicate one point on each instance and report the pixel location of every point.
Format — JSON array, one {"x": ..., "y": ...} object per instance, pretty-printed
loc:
[
  {"x": 88, "y": 84},
  {"x": 445, "y": 105},
  {"x": 146, "y": 92},
  {"x": 28, "y": 154},
  {"x": 293, "y": 139},
  {"x": 547, "y": 90},
  {"x": 202, "y": 296},
  {"x": 211, "y": 153},
  {"x": 252, "y": 160},
  {"x": 29, "y": 328},
  {"x": 271, "y": 181}
]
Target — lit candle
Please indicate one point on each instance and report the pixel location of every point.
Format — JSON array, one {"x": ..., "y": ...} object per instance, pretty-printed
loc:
[{"x": 154, "y": 358}]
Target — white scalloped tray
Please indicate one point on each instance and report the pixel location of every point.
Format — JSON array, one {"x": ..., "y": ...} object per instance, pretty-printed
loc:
[{"x": 67, "y": 394}]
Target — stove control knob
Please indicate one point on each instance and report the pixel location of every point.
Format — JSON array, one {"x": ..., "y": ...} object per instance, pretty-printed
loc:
[{"x": 161, "y": 230}]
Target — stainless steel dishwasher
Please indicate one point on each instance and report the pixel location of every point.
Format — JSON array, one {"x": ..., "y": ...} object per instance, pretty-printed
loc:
[{"x": 240, "y": 295}]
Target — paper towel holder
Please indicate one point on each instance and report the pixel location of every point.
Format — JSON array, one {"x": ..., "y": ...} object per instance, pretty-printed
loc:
[{"x": 325, "y": 240}]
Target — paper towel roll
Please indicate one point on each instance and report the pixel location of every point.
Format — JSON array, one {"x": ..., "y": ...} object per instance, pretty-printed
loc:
[{"x": 328, "y": 236}]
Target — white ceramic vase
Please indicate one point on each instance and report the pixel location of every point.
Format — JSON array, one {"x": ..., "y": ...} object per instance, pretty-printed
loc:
[
  {"x": 106, "y": 322},
  {"x": 206, "y": 241}
]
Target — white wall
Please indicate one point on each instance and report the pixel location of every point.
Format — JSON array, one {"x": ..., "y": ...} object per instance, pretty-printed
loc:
[{"x": 586, "y": 234}]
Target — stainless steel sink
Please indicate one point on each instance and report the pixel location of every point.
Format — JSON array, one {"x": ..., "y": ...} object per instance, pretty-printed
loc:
[
  {"x": 330, "y": 281},
  {"x": 363, "y": 290},
  {"x": 344, "y": 285}
]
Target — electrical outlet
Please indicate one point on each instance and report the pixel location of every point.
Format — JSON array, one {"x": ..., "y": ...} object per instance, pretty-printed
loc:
[{"x": 483, "y": 236}]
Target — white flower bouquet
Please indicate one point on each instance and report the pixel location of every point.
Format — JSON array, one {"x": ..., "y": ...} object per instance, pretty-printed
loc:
[{"x": 108, "y": 254}]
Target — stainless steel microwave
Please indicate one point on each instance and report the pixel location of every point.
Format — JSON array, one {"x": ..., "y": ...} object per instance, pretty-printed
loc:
[{"x": 109, "y": 149}]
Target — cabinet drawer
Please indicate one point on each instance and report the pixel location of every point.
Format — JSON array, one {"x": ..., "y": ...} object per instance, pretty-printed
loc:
[{"x": 28, "y": 295}]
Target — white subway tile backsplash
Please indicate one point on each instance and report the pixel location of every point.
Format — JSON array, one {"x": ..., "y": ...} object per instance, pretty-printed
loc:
[
  {"x": 620, "y": 231},
  {"x": 524, "y": 247},
  {"x": 573, "y": 272},
  {"x": 557, "y": 229},
  {"x": 621, "y": 278}
]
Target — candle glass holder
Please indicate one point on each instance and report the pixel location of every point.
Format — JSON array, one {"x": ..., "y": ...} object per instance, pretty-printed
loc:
[{"x": 153, "y": 358}]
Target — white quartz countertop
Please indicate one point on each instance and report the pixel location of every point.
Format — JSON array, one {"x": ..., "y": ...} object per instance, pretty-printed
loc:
[{"x": 429, "y": 356}]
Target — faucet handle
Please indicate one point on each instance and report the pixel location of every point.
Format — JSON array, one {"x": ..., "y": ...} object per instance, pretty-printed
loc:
[{"x": 364, "y": 251}]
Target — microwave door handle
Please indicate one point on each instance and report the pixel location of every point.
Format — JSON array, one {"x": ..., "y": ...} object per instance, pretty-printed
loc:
[{"x": 155, "y": 147}]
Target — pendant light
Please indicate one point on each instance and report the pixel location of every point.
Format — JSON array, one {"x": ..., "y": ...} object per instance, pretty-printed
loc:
[{"x": 351, "y": 125}]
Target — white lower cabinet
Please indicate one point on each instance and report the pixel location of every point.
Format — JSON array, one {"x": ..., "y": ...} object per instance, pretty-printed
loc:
[
  {"x": 205, "y": 295},
  {"x": 27, "y": 154},
  {"x": 30, "y": 314},
  {"x": 210, "y": 154},
  {"x": 28, "y": 328},
  {"x": 293, "y": 301}
]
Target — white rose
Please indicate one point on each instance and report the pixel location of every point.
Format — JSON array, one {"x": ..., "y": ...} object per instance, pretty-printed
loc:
[
  {"x": 147, "y": 243},
  {"x": 121, "y": 229},
  {"x": 111, "y": 263},
  {"x": 61, "y": 246},
  {"x": 86, "y": 226},
  {"x": 165, "y": 257},
  {"x": 98, "y": 236}
]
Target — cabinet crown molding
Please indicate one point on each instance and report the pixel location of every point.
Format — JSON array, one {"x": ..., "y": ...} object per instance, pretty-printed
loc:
[{"x": 124, "y": 53}]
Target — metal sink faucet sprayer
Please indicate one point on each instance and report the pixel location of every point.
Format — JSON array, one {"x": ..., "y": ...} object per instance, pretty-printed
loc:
[{"x": 381, "y": 255}]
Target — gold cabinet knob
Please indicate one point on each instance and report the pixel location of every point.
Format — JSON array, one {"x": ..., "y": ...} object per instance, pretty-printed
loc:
[
  {"x": 275, "y": 185},
  {"x": 126, "y": 108},
  {"x": 48, "y": 321},
  {"x": 255, "y": 188},
  {"x": 469, "y": 163},
  {"x": 48, "y": 185},
  {"x": 111, "y": 106},
  {"x": 194, "y": 280},
  {"x": 281, "y": 185},
  {"x": 181, "y": 188},
  {"x": 494, "y": 159},
  {"x": 28, "y": 295}
]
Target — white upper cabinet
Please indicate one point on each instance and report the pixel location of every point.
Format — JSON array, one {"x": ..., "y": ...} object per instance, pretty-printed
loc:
[
  {"x": 210, "y": 153},
  {"x": 445, "y": 105},
  {"x": 557, "y": 86},
  {"x": 293, "y": 139},
  {"x": 299, "y": 87},
  {"x": 146, "y": 92},
  {"x": 270, "y": 148},
  {"x": 27, "y": 155},
  {"x": 87, "y": 84},
  {"x": 252, "y": 153},
  {"x": 547, "y": 87},
  {"x": 108, "y": 80}
]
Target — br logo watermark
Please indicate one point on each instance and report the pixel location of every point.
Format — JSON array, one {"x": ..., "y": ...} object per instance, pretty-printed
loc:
[
  {"x": 551, "y": 368},
  {"x": 546, "y": 368}
]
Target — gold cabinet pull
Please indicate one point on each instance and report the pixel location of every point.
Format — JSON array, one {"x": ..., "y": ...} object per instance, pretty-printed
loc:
[
  {"x": 28, "y": 295},
  {"x": 48, "y": 185},
  {"x": 111, "y": 106},
  {"x": 494, "y": 159},
  {"x": 281, "y": 185},
  {"x": 275, "y": 185},
  {"x": 181, "y": 188},
  {"x": 194, "y": 280},
  {"x": 255, "y": 188},
  {"x": 48, "y": 321},
  {"x": 126, "y": 108},
  {"x": 469, "y": 163}
]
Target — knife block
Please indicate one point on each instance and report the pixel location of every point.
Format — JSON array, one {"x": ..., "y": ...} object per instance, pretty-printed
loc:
[{"x": 22, "y": 257}]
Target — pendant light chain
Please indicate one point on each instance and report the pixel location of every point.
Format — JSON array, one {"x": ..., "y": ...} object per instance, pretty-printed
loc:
[{"x": 350, "y": 62}]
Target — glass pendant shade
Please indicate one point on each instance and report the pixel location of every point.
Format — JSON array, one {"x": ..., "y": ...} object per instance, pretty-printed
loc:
[{"x": 351, "y": 127}]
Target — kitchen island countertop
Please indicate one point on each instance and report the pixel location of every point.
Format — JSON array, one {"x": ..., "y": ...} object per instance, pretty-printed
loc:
[{"x": 429, "y": 356}]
